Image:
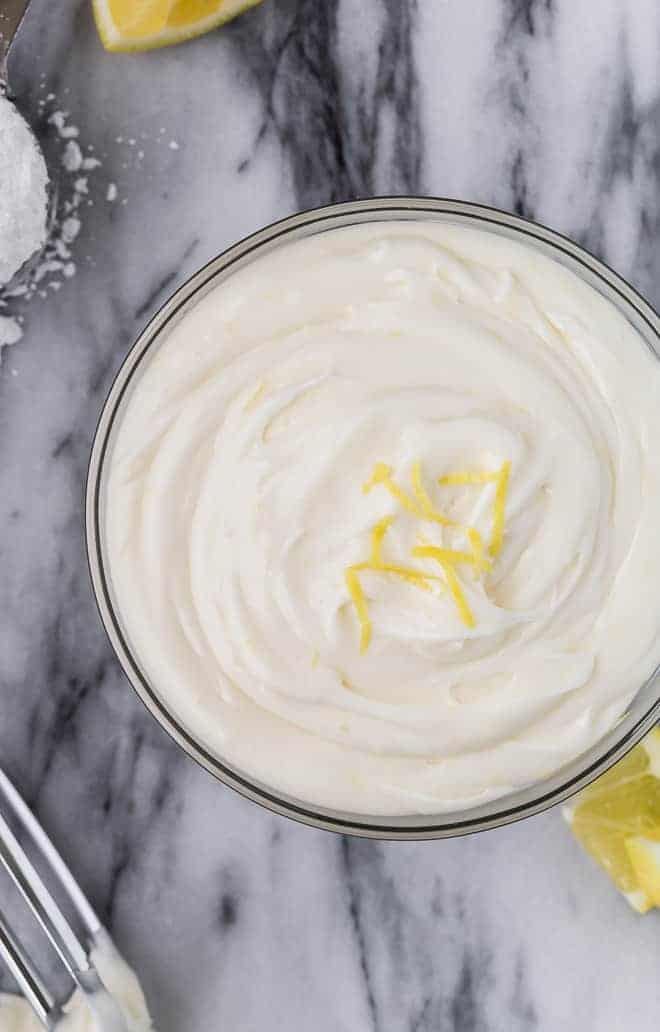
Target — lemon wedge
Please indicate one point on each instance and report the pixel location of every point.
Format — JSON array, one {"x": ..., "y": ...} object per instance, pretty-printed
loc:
[
  {"x": 644, "y": 855},
  {"x": 617, "y": 821},
  {"x": 126, "y": 25}
]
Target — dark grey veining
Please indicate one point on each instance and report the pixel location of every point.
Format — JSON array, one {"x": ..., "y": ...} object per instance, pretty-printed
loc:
[{"x": 328, "y": 117}]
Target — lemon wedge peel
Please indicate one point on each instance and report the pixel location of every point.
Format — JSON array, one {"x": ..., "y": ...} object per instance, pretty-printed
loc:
[
  {"x": 126, "y": 26},
  {"x": 644, "y": 855}
]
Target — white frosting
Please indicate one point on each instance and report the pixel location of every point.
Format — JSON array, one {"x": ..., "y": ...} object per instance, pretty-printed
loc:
[
  {"x": 119, "y": 979},
  {"x": 235, "y": 505}
]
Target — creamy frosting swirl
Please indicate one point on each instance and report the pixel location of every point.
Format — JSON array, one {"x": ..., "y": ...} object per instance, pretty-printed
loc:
[{"x": 235, "y": 506}]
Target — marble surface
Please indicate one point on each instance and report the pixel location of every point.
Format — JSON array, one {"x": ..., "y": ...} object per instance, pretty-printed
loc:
[{"x": 236, "y": 919}]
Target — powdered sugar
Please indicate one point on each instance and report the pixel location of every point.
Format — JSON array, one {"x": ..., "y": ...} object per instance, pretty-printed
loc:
[
  {"x": 23, "y": 192},
  {"x": 55, "y": 263},
  {"x": 72, "y": 158},
  {"x": 78, "y": 185},
  {"x": 58, "y": 119},
  {"x": 10, "y": 331}
]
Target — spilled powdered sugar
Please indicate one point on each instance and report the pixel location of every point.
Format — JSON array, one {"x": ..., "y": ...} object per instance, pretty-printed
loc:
[
  {"x": 23, "y": 203},
  {"x": 19, "y": 237},
  {"x": 10, "y": 331},
  {"x": 73, "y": 164},
  {"x": 23, "y": 196}
]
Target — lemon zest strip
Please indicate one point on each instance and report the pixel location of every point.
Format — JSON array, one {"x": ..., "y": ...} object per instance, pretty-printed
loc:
[
  {"x": 421, "y": 505},
  {"x": 477, "y": 545},
  {"x": 382, "y": 474},
  {"x": 376, "y": 564},
  {"x": 454, "y": 584},
  {"x": 423, "y": 500},
  {"x": 415, "y": 577},
  {"x": 408, "y": 574},
  {"x": 457, "y": 479},
  {"x": 377, "y": 535},
  {"x": 361, "y": 608},
  {"x": 464, "y": 611},
  {"x": 499, "y": 509},
  {"x": 501, "y": 479}
]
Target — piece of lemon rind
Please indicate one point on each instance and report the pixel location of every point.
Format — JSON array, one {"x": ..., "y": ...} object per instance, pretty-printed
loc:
[
  {"x": 651, "y": 746},
  {"x": 644, "y": 855},
  {"x": 117, "y": 42}
]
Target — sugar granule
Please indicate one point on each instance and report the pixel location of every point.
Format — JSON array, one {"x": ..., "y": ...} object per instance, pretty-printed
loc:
[{"x": 10, "y": 331}]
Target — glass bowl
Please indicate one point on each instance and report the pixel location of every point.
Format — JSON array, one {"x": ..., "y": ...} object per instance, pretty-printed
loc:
[{"x": 645, "y": 707}]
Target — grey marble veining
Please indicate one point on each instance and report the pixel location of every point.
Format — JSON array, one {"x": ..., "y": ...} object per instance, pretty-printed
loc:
[{"x": 235, "y": 918}]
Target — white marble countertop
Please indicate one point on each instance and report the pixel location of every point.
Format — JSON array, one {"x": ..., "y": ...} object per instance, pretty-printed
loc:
[{"x": 234, "y": 918}]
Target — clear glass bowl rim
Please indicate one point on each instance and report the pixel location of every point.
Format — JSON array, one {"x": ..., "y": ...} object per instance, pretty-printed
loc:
[{"x": 505, "y": 809}]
